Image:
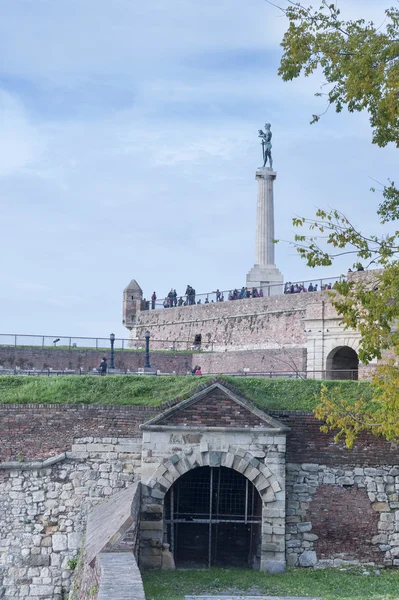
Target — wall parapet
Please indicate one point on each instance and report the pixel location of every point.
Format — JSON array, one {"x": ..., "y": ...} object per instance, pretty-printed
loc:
[
  {"x": 120, "y": 577},
  {"x": 16, "y": 465}
]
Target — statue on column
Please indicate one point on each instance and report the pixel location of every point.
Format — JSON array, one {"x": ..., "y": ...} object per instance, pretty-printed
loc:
[{"x": 266, "y": 137}]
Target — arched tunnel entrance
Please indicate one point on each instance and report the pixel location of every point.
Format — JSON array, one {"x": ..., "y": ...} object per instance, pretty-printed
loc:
[
  {"x": 213, "y": 518},
  {"x": 342, "y": 363}
]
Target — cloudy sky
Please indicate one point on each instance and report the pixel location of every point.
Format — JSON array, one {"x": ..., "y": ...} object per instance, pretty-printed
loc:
[{"x": 128, "y": 149}]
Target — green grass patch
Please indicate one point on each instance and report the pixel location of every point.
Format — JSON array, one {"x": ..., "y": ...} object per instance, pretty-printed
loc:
[
  {"x": 295, "y": 394},
  {"x": 328, "y": 584},
  {"x": 288, "y": 394},
  {"x": 89, "y": 389}
]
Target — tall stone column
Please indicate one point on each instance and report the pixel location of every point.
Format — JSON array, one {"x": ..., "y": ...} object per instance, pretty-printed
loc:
[{"x": 264, "y": 274}]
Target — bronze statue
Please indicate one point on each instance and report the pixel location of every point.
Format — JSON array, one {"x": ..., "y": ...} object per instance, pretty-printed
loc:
[{"x": 266, "y": 137}]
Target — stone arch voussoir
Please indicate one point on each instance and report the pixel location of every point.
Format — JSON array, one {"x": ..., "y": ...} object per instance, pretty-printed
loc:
[{"x": 241, "y": 461}]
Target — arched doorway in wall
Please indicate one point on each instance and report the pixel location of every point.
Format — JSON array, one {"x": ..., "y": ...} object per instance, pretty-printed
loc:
[
  {"x": 342, "y": 363},
  {"x": 213, "y": 518}
]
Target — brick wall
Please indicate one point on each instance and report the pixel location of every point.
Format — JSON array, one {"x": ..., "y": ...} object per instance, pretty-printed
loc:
[
  {"x": 345, "y": 522},
  {"x": 37, "y": 358},
  {"x": 40, "y": 431},
  {"x": 215, "y": 410},
  {"x": 307, "y": 444}
]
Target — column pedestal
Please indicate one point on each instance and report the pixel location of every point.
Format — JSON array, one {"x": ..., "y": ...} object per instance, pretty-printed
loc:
[{"x": 264, "y": 274}]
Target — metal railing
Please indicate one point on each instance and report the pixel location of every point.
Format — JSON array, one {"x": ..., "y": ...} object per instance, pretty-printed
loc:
[
  {"x": 215, "y": 296},
  {"x": 60, "y": 342},
  {"x": 321, "y": 374}
]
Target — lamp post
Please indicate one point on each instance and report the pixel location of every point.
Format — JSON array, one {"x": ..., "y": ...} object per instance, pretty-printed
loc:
[
  {"x": 112, "y": 357},
  {"x": 147, "y": 350}
]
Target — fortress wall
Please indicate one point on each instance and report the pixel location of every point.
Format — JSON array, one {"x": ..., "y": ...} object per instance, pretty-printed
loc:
[
  {"x": 252, "y": 361},
  {"x": 39, "y": 431},
  {"x": 30, "y": 432},
  {"x": 57, "y": 358},
  {"x": 241, "y": 324},
  {"x": 44, "y": 511},
  {"x": 342, "y": 514}
]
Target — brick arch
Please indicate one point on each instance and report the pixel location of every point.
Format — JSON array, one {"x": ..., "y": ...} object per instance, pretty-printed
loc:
[{"x": 241, "y": 461}]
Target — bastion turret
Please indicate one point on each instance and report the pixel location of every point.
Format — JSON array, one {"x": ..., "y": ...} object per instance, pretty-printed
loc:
[{"x": 132, "y": 299}]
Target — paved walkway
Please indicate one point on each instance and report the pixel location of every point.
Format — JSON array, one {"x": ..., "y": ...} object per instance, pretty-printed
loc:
[{"x": 261, "y": 597}]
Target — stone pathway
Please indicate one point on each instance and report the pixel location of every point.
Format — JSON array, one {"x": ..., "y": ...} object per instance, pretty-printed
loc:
[{"x": 261, "y": 597}]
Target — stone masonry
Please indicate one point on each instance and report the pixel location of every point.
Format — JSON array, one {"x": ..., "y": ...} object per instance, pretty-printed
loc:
[
  {"x": 43, "y": 512},
  {"x": 322, "y": 503},
  {"x": 284, "y": 323},
  {"x": 233, "y": 435},
  {"x": 344, "y": 515}
]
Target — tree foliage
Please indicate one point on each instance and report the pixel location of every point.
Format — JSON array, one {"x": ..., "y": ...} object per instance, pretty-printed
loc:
[{"x": 359, "y": 61}]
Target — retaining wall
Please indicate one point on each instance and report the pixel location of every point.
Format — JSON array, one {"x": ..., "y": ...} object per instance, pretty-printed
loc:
[
  {"x": 43, "y": 513},
  {"x": 57, "y": 358},
  {"x": 39, "y": 431}
]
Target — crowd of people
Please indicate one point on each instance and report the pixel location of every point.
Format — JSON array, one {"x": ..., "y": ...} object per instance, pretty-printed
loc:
[
  {"x": 172, "y": 299},
  {"x": 245, "y": 293},
  {"x": 297, "y": 288}
]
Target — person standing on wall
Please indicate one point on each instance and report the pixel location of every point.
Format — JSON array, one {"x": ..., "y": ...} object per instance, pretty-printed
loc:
[{"x": 153, "y": 300}]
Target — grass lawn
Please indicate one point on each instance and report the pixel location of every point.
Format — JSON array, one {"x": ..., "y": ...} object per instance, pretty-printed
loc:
[
  {"x": 328, "y": 584},
  {"x": 267, "y": 394}
]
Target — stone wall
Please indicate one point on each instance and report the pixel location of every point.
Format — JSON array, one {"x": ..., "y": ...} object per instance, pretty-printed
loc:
[
  {"x": 253, "y": 361},
  {"x": 60, "y": 359},
  {"x": 240, "y": 324},
  {"x": 43, "y": 512},
  {"x": 259, "y": 455},
  {"x": 342, "y": 505},
  {"x": 120, "y": 578},
  {"x": 112, "y": 527},
  {"x": 286, "y": 323},
  {"x": 346, "y": 514},
  {"x": 42, "y": 430}
]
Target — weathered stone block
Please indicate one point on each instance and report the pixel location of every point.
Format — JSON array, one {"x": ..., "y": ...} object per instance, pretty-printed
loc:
[
  {"x": 304, "y": 527},
  {"x": 41, "y": 590},
  {"x": 60, "y": 542},
  {"x": 74, "y": 540},
  {"x": 151, "y": 525},
  {"x": 151, "y": 562},
  {"x": 38, "y": 496},
  {"x": 307, "y": 558}
]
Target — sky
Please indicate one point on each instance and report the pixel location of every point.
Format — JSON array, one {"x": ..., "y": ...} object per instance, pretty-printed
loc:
[{"x": 128, "y": 150}]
